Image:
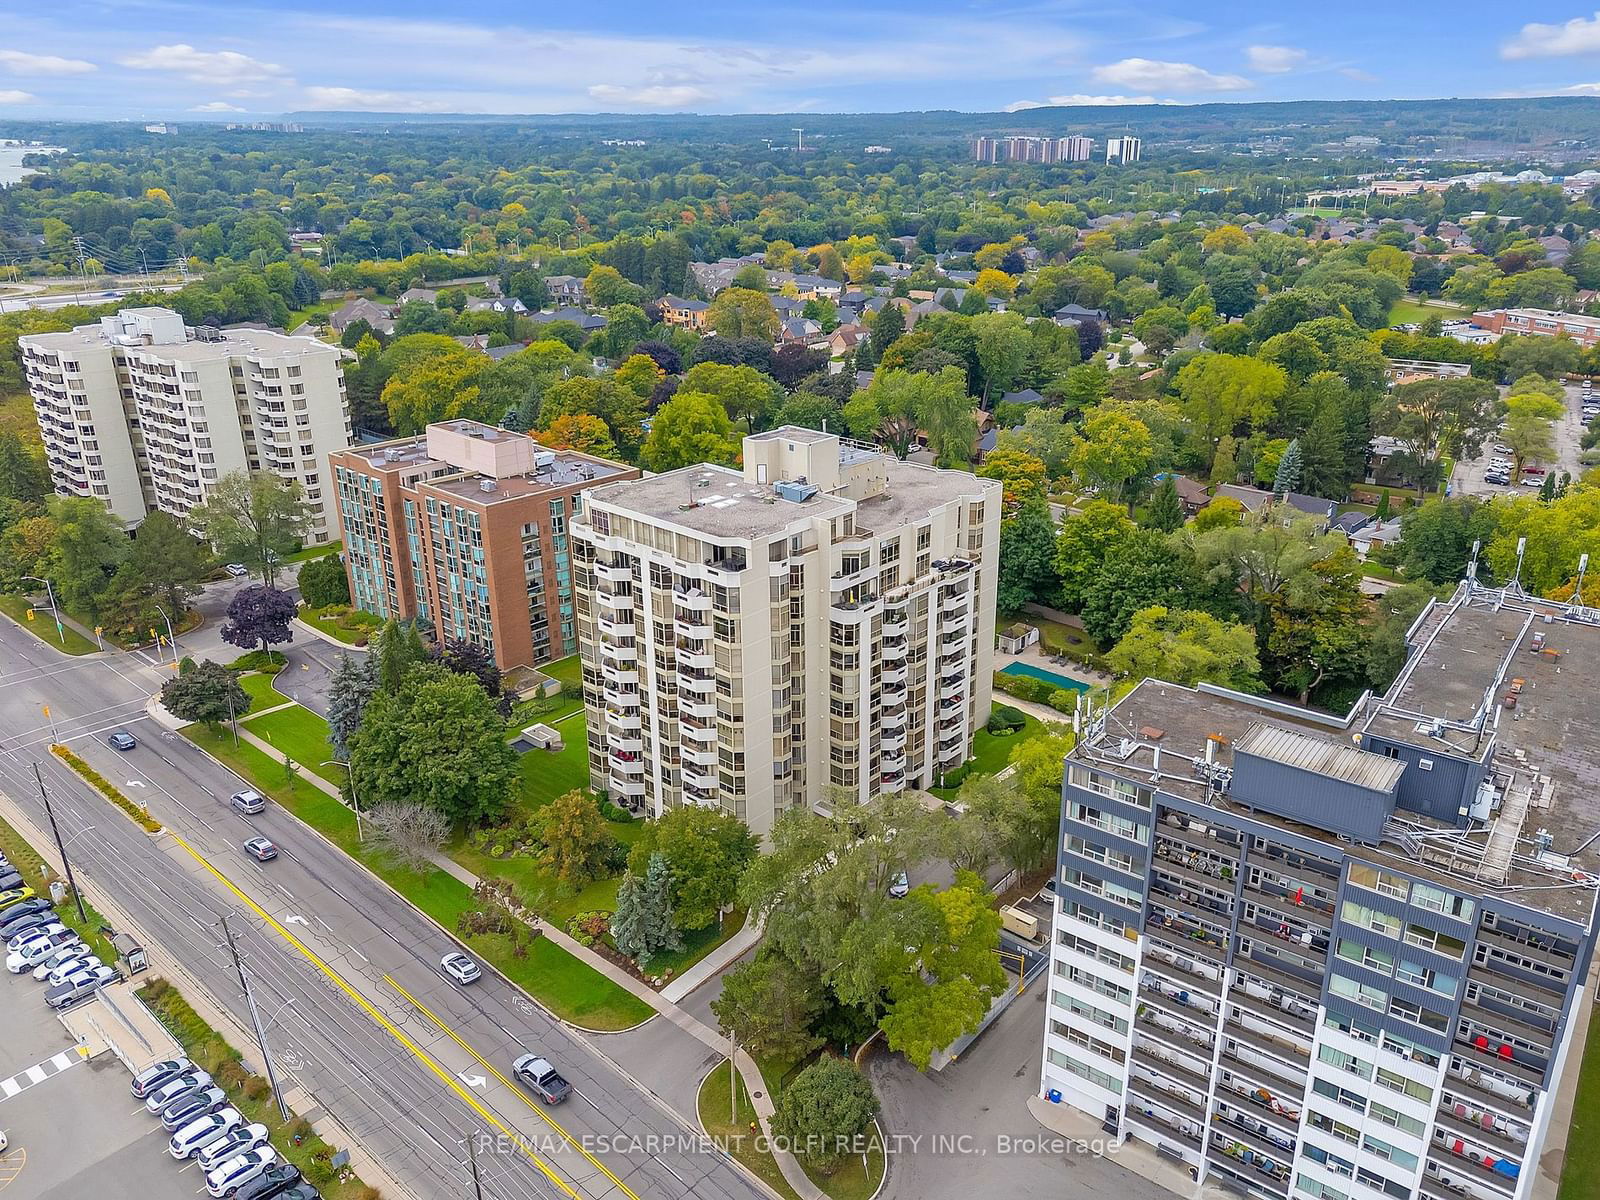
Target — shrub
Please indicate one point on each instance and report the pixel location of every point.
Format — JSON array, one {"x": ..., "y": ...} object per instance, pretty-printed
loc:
[
  {"x": 320, "y": 1172},
  {"x": 255, "y": 1088},
  {"x": 259, "y": 660},
  {"x": 1063, "y": 700},
  {"x": 299, "y": 1128},
  {"x": 232, "y": 1074},
  {"x": 1005, "y": 719},
  {"x": 611, "y": 812},
  {"x": 107, "y": 789},
  {"x": 589, "y": 927},
  {"x": 369, "y": 1193}
]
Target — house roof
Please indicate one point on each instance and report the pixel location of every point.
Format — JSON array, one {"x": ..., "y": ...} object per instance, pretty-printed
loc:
[
  {"x": 1253, "y": 498},
  {"x": 1025, "y": 396}
]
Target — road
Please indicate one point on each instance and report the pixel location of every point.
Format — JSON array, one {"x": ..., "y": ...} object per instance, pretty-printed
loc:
[{"x": 346, "y": 980}]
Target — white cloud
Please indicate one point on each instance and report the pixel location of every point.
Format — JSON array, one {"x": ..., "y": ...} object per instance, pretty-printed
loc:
[
  {"x": 658, "y": 95},
  {"x": 1274, "y": 60},
  {"x": 205, "y": 66},
  {"x": 1581, "y": 35},
  {"x": 217, "y": 106},
  {"x": 346, "y": 99},
  {"x": 1577, "y": 89},
  {"x": 19, "y": 62},
  {"x": 1358, "y": 74},
  {"x": 12, "y": 96},
  {"x": 1080, "y": 100},
  {"x": 1148, "y": 74}
]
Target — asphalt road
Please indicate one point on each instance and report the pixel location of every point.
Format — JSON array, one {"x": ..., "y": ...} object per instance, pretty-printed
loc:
[{"x": 327, "y": 946}]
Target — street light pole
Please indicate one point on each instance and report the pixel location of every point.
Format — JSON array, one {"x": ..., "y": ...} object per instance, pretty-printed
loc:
[
  {"x": 61, "y": 630},
  {"x": 171, "y": 637},
  {"x": 472, "y": 1165},
  {"x": 355, "y": 802},
  {"x": 66, "y": 864},
  {"x": 255, "y": 1019}
]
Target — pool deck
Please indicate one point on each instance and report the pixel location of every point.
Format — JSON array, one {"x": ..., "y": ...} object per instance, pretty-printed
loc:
[
  {"x": 1033, "y": 658},
  {"x": 1045, "y": 674}
]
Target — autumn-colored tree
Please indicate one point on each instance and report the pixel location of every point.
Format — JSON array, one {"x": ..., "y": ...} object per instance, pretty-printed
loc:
[{"x": 579, "y": 431}]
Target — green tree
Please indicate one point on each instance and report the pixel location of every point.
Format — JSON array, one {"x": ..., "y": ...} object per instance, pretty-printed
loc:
[
  {"x": 947, "y": 417},
  {"x": 1394, "y": 613},
  {"x": 1551, "y": 357},
  {"x": 442, "y": 385},
  {"x": 1020, "y": 825},
  {"x": 1434, "y": 417},
  {"x": 1324, "y": 455},
  {"x": 397, "y": 648},
  {"x": 1027, "y": 559},
  {"x": 1114, "y": 453},
  {"x": 887, "y": 328},
  {"x": 644, "y": 924},
  {"x": 605, "y": 286},
  {"x": 689, "y": 429},
  {"x": 1161, "y": 328},
  {"x": 1145, "y": 570},
  {"x": 574, "y": 843},
  {"x": 739, "y": 312},
  {"x": 889, "y": 410},
  {"x": 745, "y": 392},
  {"x": 24, "y": 474},
  {"x": 87, "y": 546},
  {"x": 1003, "y": 347},
  {"x": 827, "y": 1110},
  {"x": 1166, "y": 510},
  {"x": 1086, "y": 541},
  {"x": 440, "y": 741},
  {"x": 1222, "y": 391},
  {"x": 255, "y": 518},
  {"x": 349, "y": 688},
  {"x": 207, "y": 692},
  {"x": 706, "y": 852},
  {"x": 1316, "y": 635},
  {"x": 167, "y": 562},
  {"x": 768, "y": 1005},
  {"x": 1225, "y": 463},
  {"x": 1187, "y": 647},
  {"x": 1022, "y": 474},
  {"x": 1286, "y": 478},
  {"x": 323, "y": 582}
]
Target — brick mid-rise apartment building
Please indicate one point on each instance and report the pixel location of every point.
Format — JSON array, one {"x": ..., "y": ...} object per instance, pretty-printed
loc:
[
  {"x": 1541, "y": 322},
  {"x": 467, "y": 526},
  {"x": 753, "y": 638},
  {"x": 1320, "y": 957}
]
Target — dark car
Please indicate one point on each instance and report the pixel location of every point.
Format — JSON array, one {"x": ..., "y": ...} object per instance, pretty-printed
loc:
[
  {"x": 300, "y": 1191},
  {"x": 36, "y": 912},
  {"x": 9, "y": 879},
  {"x": 121, "y": 740},
  {"x": 271, "y": 1183}
]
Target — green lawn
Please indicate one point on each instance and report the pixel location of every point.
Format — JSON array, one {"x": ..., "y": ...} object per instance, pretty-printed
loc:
[
  {"x": 261, "y": 691},
  {"x": 37, "y": 874},
  {"x": 1580, "y": 1175},
  {"x": 991, "y": 752},
  {"x": 569, "y": 671},
  {"x": 306, "y": 553},
  {"x": 570, "y": 988},
  {"x": 302, "y": 735},
  {"x": 68, "y": 640},
  {"x": 1407, "y": 311},
  {"x": 299, "y": 316},
  {"x": 547, "y": 774},
  {"x": 343, "y": 623}
]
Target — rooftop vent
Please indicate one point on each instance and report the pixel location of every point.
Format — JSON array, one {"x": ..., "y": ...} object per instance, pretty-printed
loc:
[
  {"x": 795, "y": 489},
  {"x": 543, "y": 459},
  {"x": 488, "y": 485}
]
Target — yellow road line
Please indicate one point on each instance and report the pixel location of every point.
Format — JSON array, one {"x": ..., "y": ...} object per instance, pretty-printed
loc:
[
  {"x": 394, "y": 1031},
  {"x": 492, "y": 1069}
]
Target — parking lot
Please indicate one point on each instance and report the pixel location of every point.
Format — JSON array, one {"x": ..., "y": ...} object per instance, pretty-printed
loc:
[
  {"x": 74, "y": 1130},
  {"x": 1469, "y": 479}
]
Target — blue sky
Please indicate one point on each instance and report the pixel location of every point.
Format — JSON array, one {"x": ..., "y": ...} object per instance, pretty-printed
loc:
[{"x": 148, "y": 58}]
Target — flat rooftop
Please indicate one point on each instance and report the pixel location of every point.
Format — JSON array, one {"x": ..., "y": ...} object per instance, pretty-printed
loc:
[
  {"x": 393, "y": 455},
  {"x": 568, "y": 469},
  {"x": 913, "y": 493},
  {"x": 231, "y": 342},
  {"x": 717, "y": 502},
  {"x": 1545, "y": 750}
]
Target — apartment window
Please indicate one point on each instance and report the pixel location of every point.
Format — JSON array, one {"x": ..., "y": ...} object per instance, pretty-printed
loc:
[
  {"x": 1347, "y": 1062},
  {"x": 1345, "y": 1133},
  {"x": 1317, "y": 1190},
  {"x": 1432, "y": 939},
  {"x": 1395, "y": 1119},
  {"x": 1387, "y": 1186},
  {"x": 1426, "y": 977},
  {"x": 1351, "y": 1100},
  {"x": 924, "y": 537},
  {"x": 1396, "y": 1082},
  {"x": 1383, "y": 882},
  {"x": 1377, "y": 960},
  {"x": 1088, "y": 1012},
  {"x": 1439, "y": 900},
  {"x": 1084, "y": 1071},
  {"x": 1370, "y": 918},
  {"x": 1094, "y": 1045},
  {"x": 1361, "y": 993}
]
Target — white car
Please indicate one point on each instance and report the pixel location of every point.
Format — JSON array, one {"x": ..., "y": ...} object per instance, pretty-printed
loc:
[
  {"x": 460, "y": 968},
  {"x": 67, "y": 953},
  {"x": 82, "y": 965},
  {"x": 202, "y": 1132},
  {"x": 191, "y": 1080},
  {"x": 237, "y": 570},
  {"x": 236, "y": 1172},
  {"x": 31, "y": 953},
  {"x": 240, "y": 1139},
  {"x": 899, "y": 887},
  {"x": 27, "y": 935}
]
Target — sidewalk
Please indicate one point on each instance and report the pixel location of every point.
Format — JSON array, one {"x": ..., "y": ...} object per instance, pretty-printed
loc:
[
  {"x": 1132, "y": 1154},
  {"x": 714, "y": 963}
]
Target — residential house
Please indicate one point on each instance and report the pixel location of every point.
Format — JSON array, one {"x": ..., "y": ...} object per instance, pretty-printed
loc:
[
  {"x": 1077, "y": 314},
  {"x": 1026, "y": 396},
  {"x": 586, "y": 321},
  {"x": 565, "y": 289},
  {"x": 798, "y": 329},
  {"x": 1349, "y": 522},
  {"x": 1372, "y": 534},
  {"x": 845, "y": 339},
  {"x": 422, "y": 294},
  {"x": 379, "y": 316},
  {"x": 1192, "y": 494},
  {"x": 1556, "y": 249},
  {"x": 684, "y": 314},
  {"x": 1254, "y": 499}
]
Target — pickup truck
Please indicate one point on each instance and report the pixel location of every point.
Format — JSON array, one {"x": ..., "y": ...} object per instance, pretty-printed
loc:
[{"x": 542, "y": 1079}]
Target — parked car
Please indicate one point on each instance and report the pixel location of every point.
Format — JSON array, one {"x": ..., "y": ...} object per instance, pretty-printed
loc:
[
  {"x": 121, "y": 740},
  {"x": 271, "y": 1183},
  {"x": 38, "y": 948},
  {"x": 248, "y": 802},
  {"x": 236, "y": 1172},
  {"x": 81, "y": 959},
  {"x": 204, "y": 1131},
  {"x": 460, "y": 968},
  {"x": 10, "y": 878},
  {"x": 191, "y": 1080},
  {"x": 300, "y": 1191},
  {"x": 240, "y": 1139},
  {"x": 18, "y": 939},
  {"x": 158, "y": 1073},
  {"x": 261, "y": 849},
  {"x": 16, "y": 920},
  {"x": 193, "y": 1106},
  {"x": 237, "y": 570},
  {"x": 79, "y": 987},
  {"x": 11, "y": 897},
  {"x": 542, "y": 1079},
  {"x": 899, "y": 887}
]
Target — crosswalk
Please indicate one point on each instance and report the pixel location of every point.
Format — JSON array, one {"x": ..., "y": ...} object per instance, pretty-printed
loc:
[{"x": 39, "y": 1072}]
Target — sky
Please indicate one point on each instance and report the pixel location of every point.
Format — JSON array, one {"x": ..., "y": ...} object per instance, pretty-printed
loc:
[{"x": 200, "y": 59}]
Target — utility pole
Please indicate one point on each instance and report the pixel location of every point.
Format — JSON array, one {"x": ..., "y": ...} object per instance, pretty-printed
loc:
[
  {"x": 255, "y": 1018},
  {"x": 472, "y": 1165},
  {"x": 66, "y": 864}
]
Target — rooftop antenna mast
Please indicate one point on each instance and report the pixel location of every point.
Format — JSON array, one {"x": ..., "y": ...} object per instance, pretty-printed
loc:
[
  {"x": 1516, "y": 578},
  {"x": 1577, "y": 592},
  {"x": 1472, "y": 561},
  {"x": 800, "y": 140}
]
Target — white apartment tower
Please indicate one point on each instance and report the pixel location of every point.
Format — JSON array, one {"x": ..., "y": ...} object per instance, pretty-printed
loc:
[
  {"x": 750, "y": 639},
  {"x": 143, "y": 413},
  {"x": 1123, "y": 149}
]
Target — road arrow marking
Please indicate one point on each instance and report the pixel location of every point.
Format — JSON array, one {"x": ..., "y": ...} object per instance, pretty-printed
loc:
[
  {"x": 472, "y": 1081},
  {"x": 294, "y": 919},
  {"x": 135, "y": 783}
]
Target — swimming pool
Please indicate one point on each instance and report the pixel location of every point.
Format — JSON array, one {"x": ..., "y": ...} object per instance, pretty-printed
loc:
[{"x": 1033, "y": 672}]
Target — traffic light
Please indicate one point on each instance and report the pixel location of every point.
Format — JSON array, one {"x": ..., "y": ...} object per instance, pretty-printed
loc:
[{"x": 31, "y": 614}]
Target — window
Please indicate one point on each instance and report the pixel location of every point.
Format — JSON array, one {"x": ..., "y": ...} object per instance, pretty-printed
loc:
[
  {"x": 1368, "y": 876},
  {"x": 1439, "y": 900},
  {"x": 1344, "y": 1096},
  {"x": 1396, "y": 1082},
  {"x": 1370, "y": 918},
  {"x": 1345, "y": 1133},
  {"x": 1377, "y": 960},
  {"x": 1088, "y": 1012},
  {"x": 1426, "y": 977},
  {"x": 1432, "y": 939},
  {"x": 1396, "y": 1119},
  {"x": 1099, "y": 1078},
  {"x": 1316, "y": 1190},
  {"x": 1345, "y": 1062},
  {"x": 1361, "y": 993}
]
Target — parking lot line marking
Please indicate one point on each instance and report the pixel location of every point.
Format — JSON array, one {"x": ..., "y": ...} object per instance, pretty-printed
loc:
[
  {"x": 36, "y": 1074},
  {"x": 389, "y": 1026},
  {"x": 492, "y": 1069},
  {"x": 11, "y": 1166}
]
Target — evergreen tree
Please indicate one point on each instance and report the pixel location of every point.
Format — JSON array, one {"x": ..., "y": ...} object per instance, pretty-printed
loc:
[
  {"x": 349, "y": 690},
  {"x": 1382, "y": 512},
  {"x": 1165, "y": 512},
  {"x": 399, "y": 648},
  {"x": 887, "y": 327},
  {"x": 658, "y": 930},
  {"x": 627, "y": 923},
  {"x": 1322, "y": 451},
  {"x": 1225, "y": 467},
  {"x": 1290, "y": 467}
]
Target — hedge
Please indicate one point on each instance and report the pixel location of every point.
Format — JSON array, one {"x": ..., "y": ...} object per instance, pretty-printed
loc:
[{"x": 107, "y": 789}]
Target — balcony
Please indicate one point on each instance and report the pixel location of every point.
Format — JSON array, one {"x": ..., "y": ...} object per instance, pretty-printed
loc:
[
  {"x": 613, "y": 573},
  {"x": 1156, "y": 1116},
  {"x": 1480, "y": 1165},
  {"x": 892, "y": 743},
  {"x": 695, "y": 601},
  {"x": 1276, "y": 1004},
  {"x": 618, "y": 653},
  {"x": 622, "y": 785},
  {"x": 1490, "y": 1089},
  {"x": 692, "y": 681},
  {"x": 951, "y": 605},
  {"x": 624, "y": 721},
  {"x": 1247, "y": 1171},
  {"x": 694, "y": 660},
  {"x": 619, "y": 674},
  {"x": 952, "y": 691},
  {"x": 1506, "y": 1059},
  {"x": 894, "y": 650},
  {"x": 893, "y": 718},
  {"x": 1491, "y": 1129},
  {"x": 1271, "y": 1075},
  {"x": 891, "y": 783},
  {"x": 953, "y": 755},
  {"x": 1173, "y": 959},
  {"x": 1261, "y": 1136},
  {"x": 893, "y": 676},
  {"x": 1185, "y": 932},
  {"x": 698, "y": 733},
  {"x": 691, "y": 629},
  {"x": 1268, "y": 1041},
  {"x": 896, "y": 628},
  {"x": 1158, "y": 1058},
  {"x": 622, "y": 743},
  {"x": 1175, "y": 1096},
  {"x": 618, "y": 602},
  {"x": 700, "y": 756},
  {"x": 702, "y": 778},
  {"x": 700, "y": 709},
  {"x": 614, "y": 629}
]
